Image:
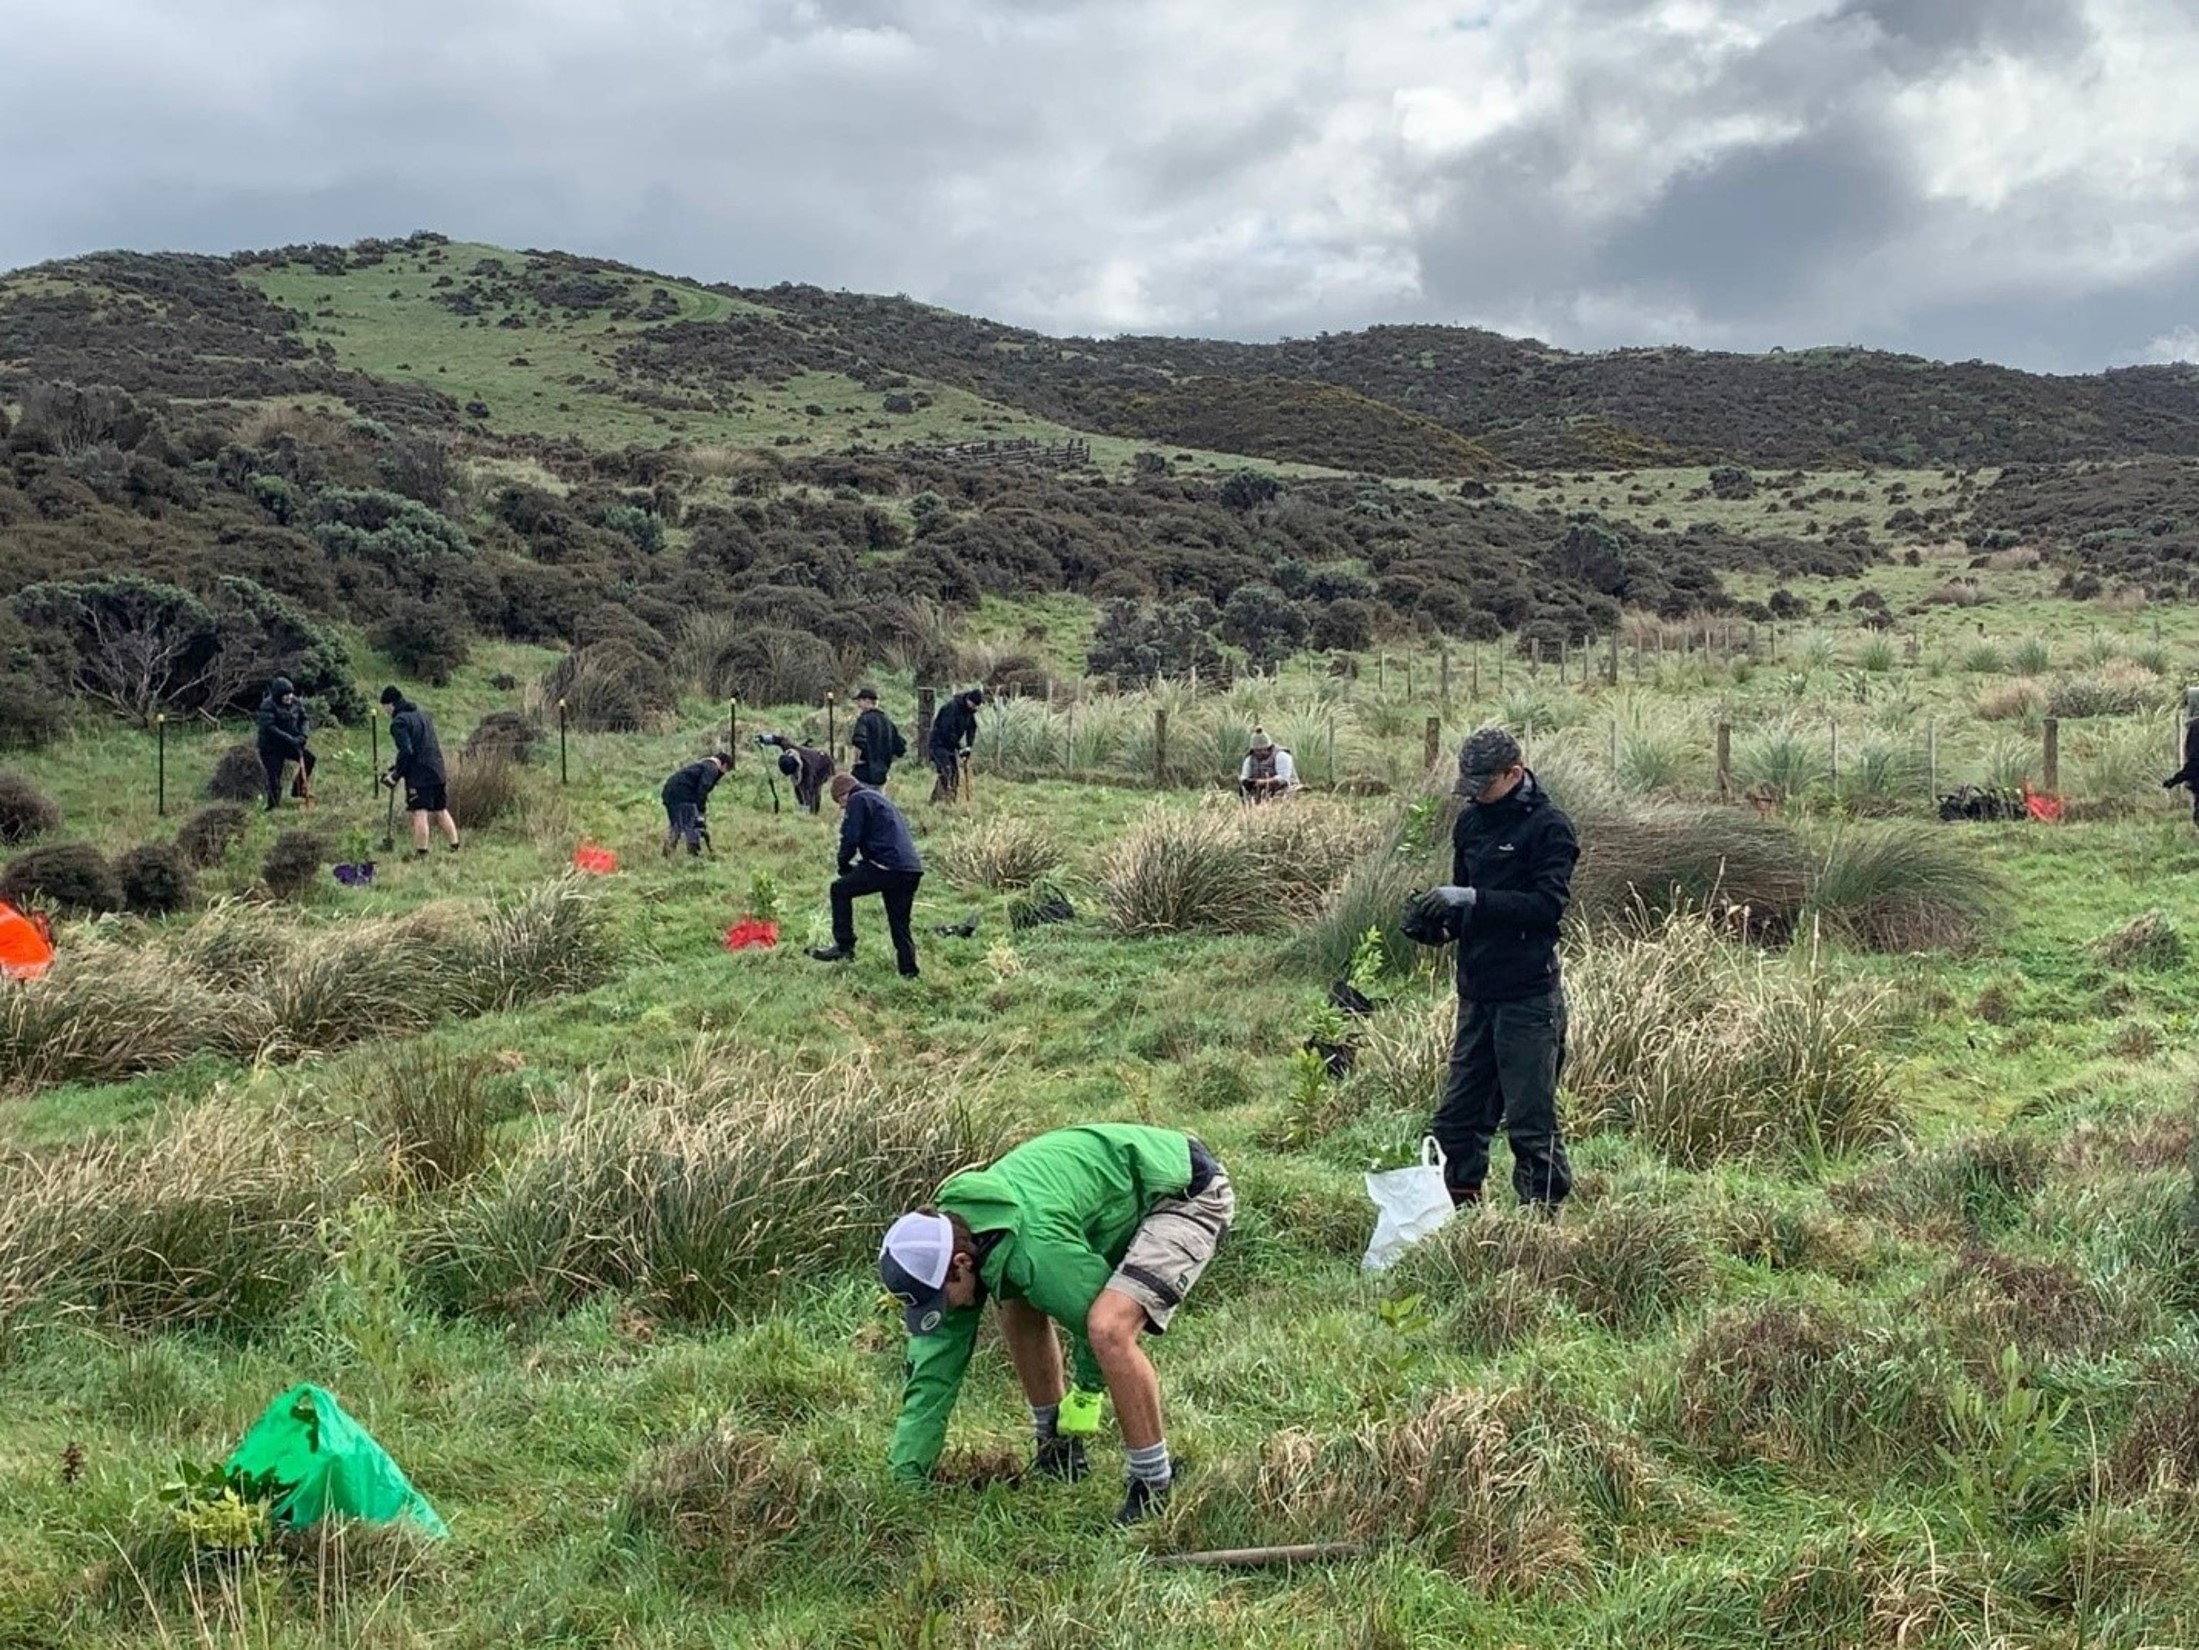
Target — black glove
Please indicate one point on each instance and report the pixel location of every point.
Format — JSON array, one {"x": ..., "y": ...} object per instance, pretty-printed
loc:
[{"x": 1430, "y": 920}]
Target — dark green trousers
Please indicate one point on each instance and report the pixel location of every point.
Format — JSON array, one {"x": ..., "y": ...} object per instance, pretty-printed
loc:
[{"x": 1504, "y": 1074}]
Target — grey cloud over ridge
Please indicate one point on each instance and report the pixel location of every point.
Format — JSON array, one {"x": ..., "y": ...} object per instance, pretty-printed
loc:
[{"x": 2006, "y": 178}]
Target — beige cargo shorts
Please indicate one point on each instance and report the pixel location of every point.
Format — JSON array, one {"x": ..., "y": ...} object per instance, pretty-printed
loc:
[{"x": 1172, "y": 1247}]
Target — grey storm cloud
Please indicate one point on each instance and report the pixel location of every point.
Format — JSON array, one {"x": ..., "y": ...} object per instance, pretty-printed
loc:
[{"x": 2005, "y": 178}]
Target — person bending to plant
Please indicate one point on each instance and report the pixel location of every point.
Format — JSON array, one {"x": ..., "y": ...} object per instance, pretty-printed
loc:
[
  {"x": 1101, "y": 1228},
  {"x": 687, "y": 798},
  {"x": 281, "y": 731}
]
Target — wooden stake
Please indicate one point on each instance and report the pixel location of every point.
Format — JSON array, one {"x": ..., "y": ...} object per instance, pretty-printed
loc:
[
  {"x": 1725, "y": 762},
  {"x": 1253, "y": 1558},
  {"x": 2050, "y": 775}
]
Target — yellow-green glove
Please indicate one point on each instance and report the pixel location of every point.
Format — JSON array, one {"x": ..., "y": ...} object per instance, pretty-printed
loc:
[{"x": 1080, "y": 1413}]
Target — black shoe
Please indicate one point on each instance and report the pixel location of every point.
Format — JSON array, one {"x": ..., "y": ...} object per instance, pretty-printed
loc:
[
  {"x": 1143, "y": 1500},
  {"x": 1061, "y": 1458},
  {"x": 832, "y": 953},
  {"x": 911, "y": 972}
]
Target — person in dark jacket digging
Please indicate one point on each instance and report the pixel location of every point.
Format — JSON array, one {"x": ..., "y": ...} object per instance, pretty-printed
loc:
[
  {"x": 953, "y": 735},
  {"x": 418, "y": 766},
  {"x": 1512, "y": 857},
  {"x": 283, "y": 729},
  {"x": 687, "y": 798},
  {"x": 878, "y": 743},
  {"x": 807, "y": 766},
  {"x": 877, "y": 856}
]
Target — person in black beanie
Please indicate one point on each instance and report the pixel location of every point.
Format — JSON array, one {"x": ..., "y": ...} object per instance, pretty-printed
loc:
[
  {"x": 953, "y": 737},
  {"x": 282, "y": 730},
  {"x": 1512, "y": 858},
  {"x": 418, "y": 766},
  {"x": 687, "y": 797}
]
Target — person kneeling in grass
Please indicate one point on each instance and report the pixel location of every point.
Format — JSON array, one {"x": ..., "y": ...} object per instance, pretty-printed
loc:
[{"x": 1101, "y": 1228}]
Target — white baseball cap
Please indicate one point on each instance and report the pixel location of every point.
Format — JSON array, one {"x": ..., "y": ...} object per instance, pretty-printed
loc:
[{"x": 913, "y": 1263}]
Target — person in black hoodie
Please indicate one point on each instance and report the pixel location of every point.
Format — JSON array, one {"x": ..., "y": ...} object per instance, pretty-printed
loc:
[
  {"x": 953, "y": 735},
  {"x": 1512, "y": 857},
  {"x": 2188, "y": 774},
  {"x": 418, "y": 766},
  {"x": 283, "y": 728},
  {"x": 877, "y": 856},
  {"x": 686, "y": 799},
  {"x": 878, "y": 743}
]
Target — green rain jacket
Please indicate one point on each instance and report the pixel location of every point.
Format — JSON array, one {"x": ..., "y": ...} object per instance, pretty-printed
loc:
[{"x": 1066, "y": 1205}]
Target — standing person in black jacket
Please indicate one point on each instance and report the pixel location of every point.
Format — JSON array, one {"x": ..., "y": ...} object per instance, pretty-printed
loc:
[
  {"x": 877, "y": 856},
  {"x": 687, "y": 798},
  {"x": 878, "y": 743},
  {"x": 418, "y": 765},
  {"x": 1512, "y": 857},
  {"x": 953, "y": 734},
  {"x": 283, "y": 728},
  {"x": 2188, "y": 774}
]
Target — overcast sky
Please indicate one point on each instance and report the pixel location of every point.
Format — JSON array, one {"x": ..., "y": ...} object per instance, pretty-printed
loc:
[{"x": 2012, "y": 179}]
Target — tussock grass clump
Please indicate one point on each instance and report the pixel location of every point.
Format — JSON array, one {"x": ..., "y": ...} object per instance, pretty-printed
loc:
[
  {"x": 237, "y": 777},
  {"x": 207, "y": 836},
  {"x": 482, "y": 789},
  {"x": 1792, "y": 1382},
  {"x": 1704, "y": 1048},
  {"x": 2023, "y": 700},
  {"x": 1228, "y": 869},
  {"x": 510, "y": 734},
  {"x": 1989, "y": 1300},
  {"x": 247, "y": 982},
  {"x": 1902, "y": 888},
  {"x": 2118, "y": 688},
  {"x": 2149, "y": 941},
  {"x": 722, "y": 1493},
  {"x": 431, "y": 1115},
  {"x": 1005, "y": 852},
  {"x": 73, "y": 877},
  {"x": 1511, "y": 1491},
  {"x": 292, "y": 862},
  {"x": 704, "y": 1189},
  {"x": 1974, "y": 1186},
  {"x": 216, "y": 1221},
  {"x": 25, "y": 810},
  {"x": 2158, "y": 1453},
  {"x": 1631, "y": 1264},
  {"x": 155, "y": 880}
]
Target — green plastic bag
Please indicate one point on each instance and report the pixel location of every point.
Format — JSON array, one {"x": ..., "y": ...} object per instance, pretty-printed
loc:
[{"x": 323, "y": 1462}]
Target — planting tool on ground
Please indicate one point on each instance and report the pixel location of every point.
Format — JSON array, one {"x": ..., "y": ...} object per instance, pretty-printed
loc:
[{"x": 1255, "y": 1558}]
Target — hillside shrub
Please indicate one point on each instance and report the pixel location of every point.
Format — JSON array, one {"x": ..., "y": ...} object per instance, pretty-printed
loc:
[
  {"x": 25, "y": 810},
  {"x": 702, "y": 1190},
  {"x": 610, "y": 687},
  {"x": 773, "y": 666},
  {"x": 155, "y": 879},
  {"x": 422, "y": 639},
  {"x": 31, "y": 716},
  {"x": 507, "y": 733},
  {"x": 483, "y": 789},
  {"x": 237, "y": 776},
  {"x": 292, "y": 863},
  {"x": 73, "y": 877},
  {"x": 207, "y": 836}
]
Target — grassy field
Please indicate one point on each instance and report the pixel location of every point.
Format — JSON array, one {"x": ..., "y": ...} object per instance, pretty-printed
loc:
[{"x": 593, "y": 1263}]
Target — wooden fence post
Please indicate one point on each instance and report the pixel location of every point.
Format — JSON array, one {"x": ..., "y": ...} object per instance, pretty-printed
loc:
[
  {"x": 927, "y": 704},
  {"x": 2050, "y": 766},
  {"x": 1474, "y": 678},
  {"x": 1611, "y": 670},
  {"x": 1332, "y": 751},
  {"x": 1446, "y": 667},
  {"x": 1160, "y": 745},
  {"x": 1725, "y": 761},
  {"x": 1836, "y": 756},
  {"x": 1931, "y": 757},
  {"x": 1432, "y": 745}
]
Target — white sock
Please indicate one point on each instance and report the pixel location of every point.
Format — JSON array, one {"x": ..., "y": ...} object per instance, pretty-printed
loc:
[
  {"x": 1046, "y": 1419},
  {"x": 1150, "y": 1465}
]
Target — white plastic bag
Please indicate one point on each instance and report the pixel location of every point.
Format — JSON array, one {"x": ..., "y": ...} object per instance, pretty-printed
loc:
[{"x": 1409, "y": 1204}]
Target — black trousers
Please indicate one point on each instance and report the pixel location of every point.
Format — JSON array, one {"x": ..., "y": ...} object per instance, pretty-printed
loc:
[
  {"x": 896, "y": 888},
  {"x": 1504, "y": 1071},
  {"x": 948, "y": 765},
  {"x": 273, "y": 760}
]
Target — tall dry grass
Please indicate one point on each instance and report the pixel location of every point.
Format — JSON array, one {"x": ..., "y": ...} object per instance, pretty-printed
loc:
[
  {"x": 249, "y": 982},
  {"x": 1705, "y": 1048},
  {"x": 707, "y": 1188},
  {"x": 1003, "y": 852},
  {"x": 1228, "y": 869}
]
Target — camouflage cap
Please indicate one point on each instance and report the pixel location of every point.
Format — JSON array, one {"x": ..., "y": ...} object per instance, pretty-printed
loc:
[{"x": 1486, "y": 753}]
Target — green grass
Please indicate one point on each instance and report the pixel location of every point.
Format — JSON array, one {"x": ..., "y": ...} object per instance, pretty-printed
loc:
[{"x": 1756, "y": 1401}]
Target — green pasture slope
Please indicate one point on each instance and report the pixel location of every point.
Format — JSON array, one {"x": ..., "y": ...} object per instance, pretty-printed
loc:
[{"x": 1933, "y": 1391}]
